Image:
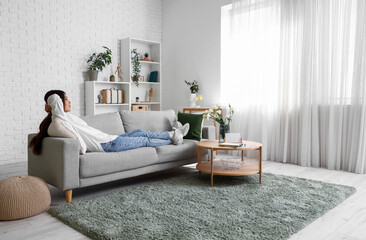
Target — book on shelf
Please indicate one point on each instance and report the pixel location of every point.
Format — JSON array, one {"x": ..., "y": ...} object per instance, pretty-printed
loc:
[
  {"x": 114, "y": 96},
  {"x": 153, "y": 76}
]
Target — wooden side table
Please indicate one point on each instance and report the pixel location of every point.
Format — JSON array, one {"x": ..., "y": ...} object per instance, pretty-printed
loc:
[{"x": 217, "y": 167}]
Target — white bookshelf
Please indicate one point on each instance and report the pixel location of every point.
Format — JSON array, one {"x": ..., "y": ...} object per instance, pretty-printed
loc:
[
  {"x": 130, "y": 91},
  {"x": 142, "y": 91}
]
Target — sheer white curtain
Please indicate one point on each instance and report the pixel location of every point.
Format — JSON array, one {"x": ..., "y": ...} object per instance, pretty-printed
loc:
[{"x": 295, "y": 71}]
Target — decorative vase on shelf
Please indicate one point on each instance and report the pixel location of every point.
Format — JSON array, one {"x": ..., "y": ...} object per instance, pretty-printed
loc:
[
  {"x": 223, "y": 130},
  {"x": 192, "y": 102}
]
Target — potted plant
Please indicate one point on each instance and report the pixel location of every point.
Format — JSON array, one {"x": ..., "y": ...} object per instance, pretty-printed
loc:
[
  {"x": 136, "y": 66},
  {"x": 98, "y": 62},
  {"x": 193, "y": 87},
  {"x": 215, "y": 113}
]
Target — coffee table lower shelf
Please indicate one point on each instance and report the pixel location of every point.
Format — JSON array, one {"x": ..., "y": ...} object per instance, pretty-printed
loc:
[{"x": 218, "y": 168}]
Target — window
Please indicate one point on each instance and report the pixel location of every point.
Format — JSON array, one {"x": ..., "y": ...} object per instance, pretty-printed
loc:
[{"x": 272, "y": 51}]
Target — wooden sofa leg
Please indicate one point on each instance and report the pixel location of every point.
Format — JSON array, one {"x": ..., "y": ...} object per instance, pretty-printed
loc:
[{"x": 68, "y": 194}]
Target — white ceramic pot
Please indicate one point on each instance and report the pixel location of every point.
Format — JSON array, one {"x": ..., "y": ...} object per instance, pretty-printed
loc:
[{"x": 192, "y": 102}]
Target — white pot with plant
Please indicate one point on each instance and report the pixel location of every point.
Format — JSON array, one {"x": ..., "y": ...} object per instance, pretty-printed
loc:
[
  {"x": 136, "y": 66},
  {"x": 194, "y": 88},
  {"x": 98, "y": 62}
]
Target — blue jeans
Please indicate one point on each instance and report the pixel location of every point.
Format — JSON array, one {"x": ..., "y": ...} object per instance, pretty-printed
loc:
[{"x": 137, "y": 139}]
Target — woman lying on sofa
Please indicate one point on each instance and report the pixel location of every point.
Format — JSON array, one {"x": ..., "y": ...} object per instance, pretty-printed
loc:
[{"x": 60, "y": 123}]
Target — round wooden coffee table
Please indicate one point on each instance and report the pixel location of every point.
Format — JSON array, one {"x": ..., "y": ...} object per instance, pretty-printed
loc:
[{"x": 218, "y": 168}]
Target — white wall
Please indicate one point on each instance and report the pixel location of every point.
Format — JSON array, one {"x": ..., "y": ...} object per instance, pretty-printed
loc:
[
  {"x": 191, "y": 50},
  {"x": 44, "y": 45}
]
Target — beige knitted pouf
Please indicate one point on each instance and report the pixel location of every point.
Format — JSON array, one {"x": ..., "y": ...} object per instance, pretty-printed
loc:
[{"x": 22, "y": 197}]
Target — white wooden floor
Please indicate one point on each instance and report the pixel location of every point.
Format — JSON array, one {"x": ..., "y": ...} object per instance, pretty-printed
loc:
[{"x": 346, "y": 221}]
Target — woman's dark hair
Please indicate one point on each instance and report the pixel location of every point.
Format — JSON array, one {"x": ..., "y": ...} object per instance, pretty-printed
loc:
[{"x": 36, "y": 141}]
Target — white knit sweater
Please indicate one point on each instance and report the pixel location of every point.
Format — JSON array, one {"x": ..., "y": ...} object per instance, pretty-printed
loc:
[{"x": 68, "y": 125}]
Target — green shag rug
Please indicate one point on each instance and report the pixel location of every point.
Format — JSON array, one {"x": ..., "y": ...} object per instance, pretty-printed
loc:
[{"x": 187, "y": 207}]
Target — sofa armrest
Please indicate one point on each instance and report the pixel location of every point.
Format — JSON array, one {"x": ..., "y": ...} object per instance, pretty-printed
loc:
[
  {"x": 58, "y": 163},
  {"x": 208, "y": 132}
]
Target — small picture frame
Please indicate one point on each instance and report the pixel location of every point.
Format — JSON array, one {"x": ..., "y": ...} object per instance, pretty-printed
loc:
[{"x": 141, "y": 79}]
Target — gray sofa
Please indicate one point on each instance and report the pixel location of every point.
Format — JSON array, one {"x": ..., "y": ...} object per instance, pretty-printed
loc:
[{"x": 61, "y": 165}]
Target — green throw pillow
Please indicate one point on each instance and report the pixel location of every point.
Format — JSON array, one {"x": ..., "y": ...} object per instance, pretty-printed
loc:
[{"x": 195, "y": 124}]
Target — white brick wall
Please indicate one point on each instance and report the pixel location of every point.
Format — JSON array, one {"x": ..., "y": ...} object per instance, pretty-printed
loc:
[{"x": 44, "y": 45}]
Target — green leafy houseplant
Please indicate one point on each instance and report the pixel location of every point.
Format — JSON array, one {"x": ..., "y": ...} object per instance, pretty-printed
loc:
[
  {"x": 193, "y": 86},
  {"x": 100, "y": 60},
  {"x": 136, "y": 66}
]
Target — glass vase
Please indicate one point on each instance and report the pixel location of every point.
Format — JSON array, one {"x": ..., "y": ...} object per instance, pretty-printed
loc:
[{"x": 223, "y": 130}]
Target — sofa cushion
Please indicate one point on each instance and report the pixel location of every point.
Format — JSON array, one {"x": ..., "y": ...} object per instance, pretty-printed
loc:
[
  {"x": 195, "y": 124},
  {"x": 100, "y": 163},
  {"x": 154, "y": 121},
  {"x": 110, "y": 123},
  {"x": 168, "y": 153}
]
